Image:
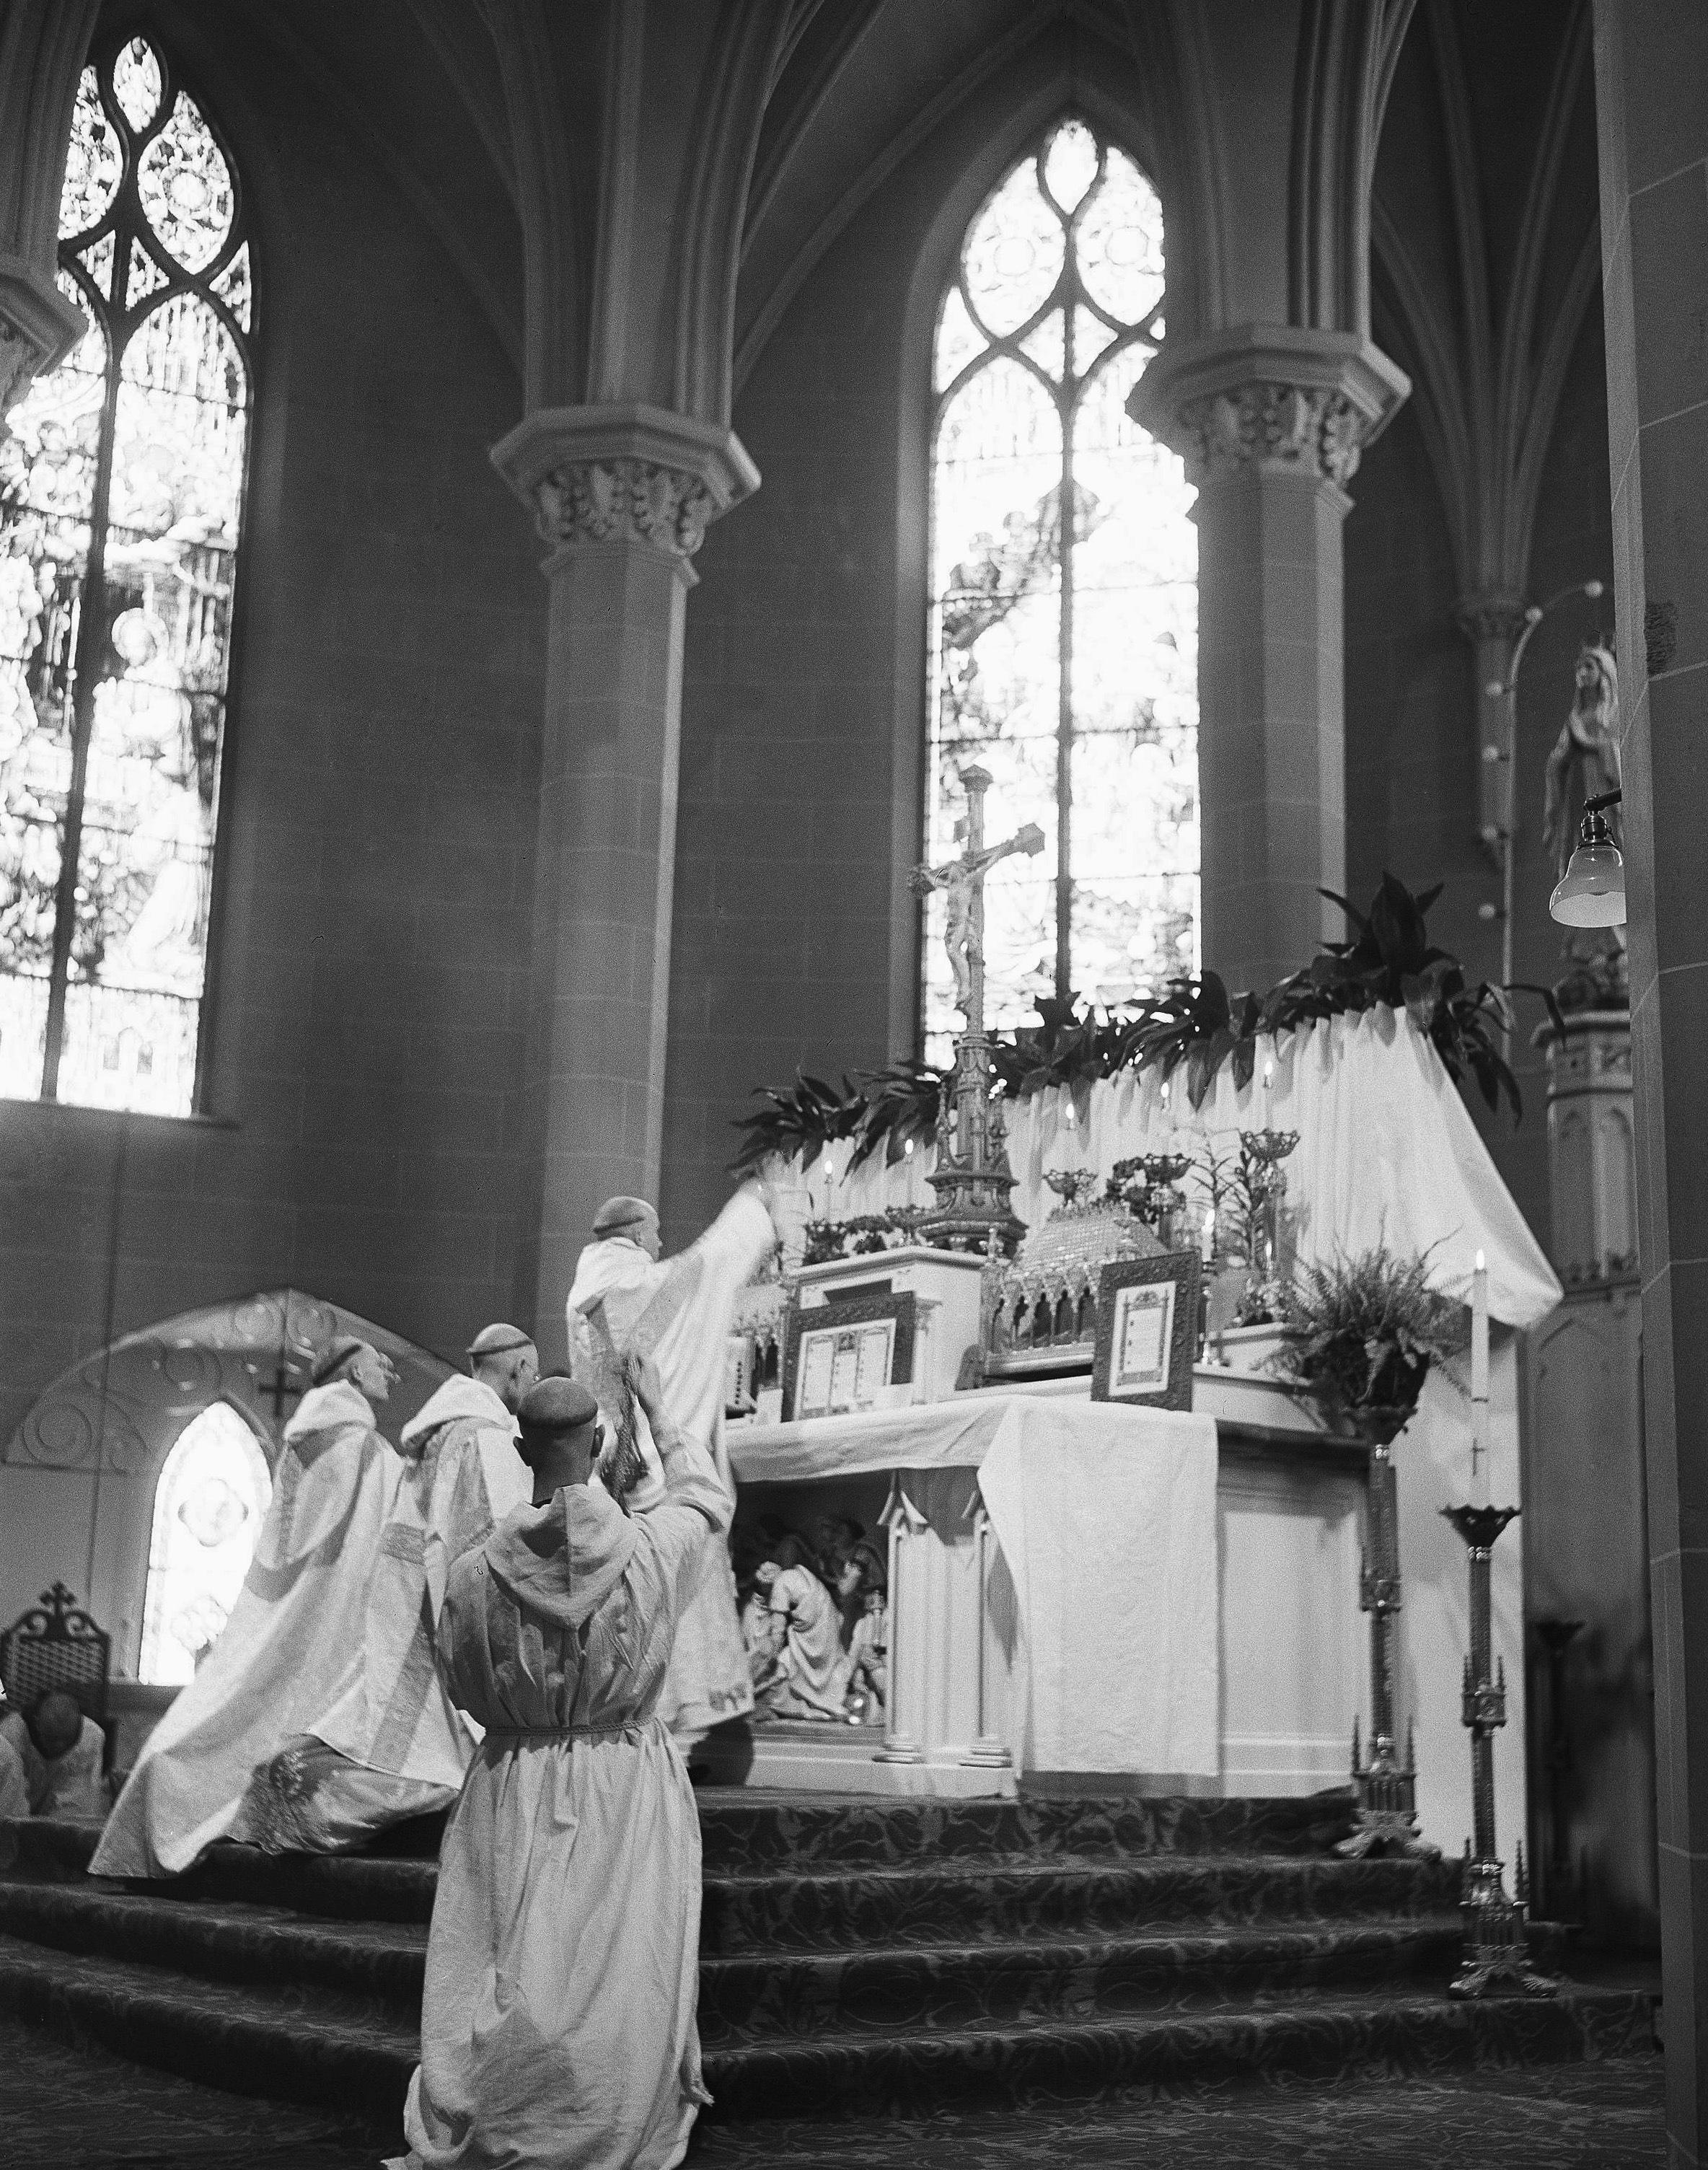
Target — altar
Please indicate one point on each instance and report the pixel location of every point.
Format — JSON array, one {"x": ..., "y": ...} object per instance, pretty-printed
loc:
[{"x": 1088, "y": 1595}]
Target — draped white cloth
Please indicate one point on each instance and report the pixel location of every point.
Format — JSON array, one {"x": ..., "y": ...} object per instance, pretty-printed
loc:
[
  {"x": 276, "y": 1666},
  {"x": 558, "y": 2024},
  {"x": 1106, "y": 1520},
  {"x": 678, "y": 1311},
  {"x": 1387, "y": 1153}
]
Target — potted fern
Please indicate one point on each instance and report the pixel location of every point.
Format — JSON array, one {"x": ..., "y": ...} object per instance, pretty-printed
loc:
[{"x": 1359, "y": 1337}]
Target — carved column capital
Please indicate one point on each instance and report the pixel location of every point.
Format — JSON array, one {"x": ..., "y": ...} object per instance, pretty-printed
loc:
[
  {"x": 38, "y": 328},
  {"x": 1275, "y": 399},
  {"x": 632, "y": 475}
]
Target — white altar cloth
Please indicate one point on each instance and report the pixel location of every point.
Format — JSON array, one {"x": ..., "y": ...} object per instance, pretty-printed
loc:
[{"x": 1107, "y": 1521}]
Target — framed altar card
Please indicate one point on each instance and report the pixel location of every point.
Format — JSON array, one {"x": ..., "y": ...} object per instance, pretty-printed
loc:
[
  {"x": 840, "y": 1357},
  {"x": 1147, "y": 1331}
]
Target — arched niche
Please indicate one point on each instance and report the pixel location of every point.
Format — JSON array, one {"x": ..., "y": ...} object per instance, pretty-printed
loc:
[{"x": 80, "y": 1475}]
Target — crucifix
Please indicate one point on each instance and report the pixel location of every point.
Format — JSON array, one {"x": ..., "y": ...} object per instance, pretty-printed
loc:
[{"x": 962, "y": 883}]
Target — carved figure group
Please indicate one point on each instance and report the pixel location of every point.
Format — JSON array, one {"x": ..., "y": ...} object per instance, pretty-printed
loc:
[{"x": 814, "y": 1620}]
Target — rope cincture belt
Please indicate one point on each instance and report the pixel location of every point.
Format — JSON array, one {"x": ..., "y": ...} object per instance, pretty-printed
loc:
[{"x": 627, "y": 1729}]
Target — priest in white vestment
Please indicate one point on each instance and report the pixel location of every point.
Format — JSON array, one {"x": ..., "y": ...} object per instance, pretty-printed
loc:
[
  {"x": 558, "y": 2024},
  {"x": 627, "y": 1304},
  {"x": 300, "y": 1612},
  {"x": 318, "y": 1719},
  {"x": 390, "y": 1745}
]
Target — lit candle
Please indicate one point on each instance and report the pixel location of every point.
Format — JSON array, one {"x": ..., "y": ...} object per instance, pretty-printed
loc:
[
  {"x": 1478, "y": 1382},
  {"x": 1268, "y": 1075}
]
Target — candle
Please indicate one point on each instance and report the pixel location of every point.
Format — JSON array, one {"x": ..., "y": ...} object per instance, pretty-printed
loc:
[
  {"x": 1478, "y": 1382},
  {"x": 1268, "y": 1074}
]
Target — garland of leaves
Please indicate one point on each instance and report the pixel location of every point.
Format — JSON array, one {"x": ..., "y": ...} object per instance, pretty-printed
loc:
[{"x": 1389, "y": 963}]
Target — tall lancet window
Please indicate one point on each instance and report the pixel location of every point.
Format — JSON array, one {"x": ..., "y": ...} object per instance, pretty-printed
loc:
[
  {"x": 121, "y": 498},
  {"x": 1063, "y": 637}
]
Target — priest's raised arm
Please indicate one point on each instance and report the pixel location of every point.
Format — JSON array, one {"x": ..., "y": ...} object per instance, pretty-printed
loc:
[{"x": 627, "y": 1304}]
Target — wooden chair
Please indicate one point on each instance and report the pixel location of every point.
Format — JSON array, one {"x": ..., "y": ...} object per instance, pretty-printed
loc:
[{"x": 57, "y": 1646}]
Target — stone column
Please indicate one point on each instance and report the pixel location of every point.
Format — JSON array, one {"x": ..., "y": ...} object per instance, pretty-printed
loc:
[
  {"x": 1651, "y": 117},
  {"x": 1271, "y": 422},
  {"x": 623, "y": 496}
]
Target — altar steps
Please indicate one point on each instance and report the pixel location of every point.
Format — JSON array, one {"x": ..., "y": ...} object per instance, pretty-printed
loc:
[{"x": 856, "y": 1957}]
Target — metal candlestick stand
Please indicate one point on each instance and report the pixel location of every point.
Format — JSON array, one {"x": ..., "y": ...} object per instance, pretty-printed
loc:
[
  {"x": 1387, "y": 1788},
  {"x": 1497, "y": 1950}
]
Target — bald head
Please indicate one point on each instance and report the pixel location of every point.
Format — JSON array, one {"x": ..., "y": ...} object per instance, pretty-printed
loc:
[
  {"x": 559, "y": 1439},
  {"x": 505, "y": 1358},
  {"x": 631, "y": 1220},
  {"x": 56, "y": 1724}
]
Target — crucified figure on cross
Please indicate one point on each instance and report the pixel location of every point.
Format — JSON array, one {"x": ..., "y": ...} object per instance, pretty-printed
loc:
[{"x": 962, "y": 883}]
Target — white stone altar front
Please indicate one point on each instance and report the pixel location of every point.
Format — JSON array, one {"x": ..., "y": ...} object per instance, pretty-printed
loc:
[{"x": 1189, "y": 1628}]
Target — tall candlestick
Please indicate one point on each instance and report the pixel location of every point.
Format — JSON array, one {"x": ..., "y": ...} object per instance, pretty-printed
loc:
[{"x": 1479, "y": 1384}]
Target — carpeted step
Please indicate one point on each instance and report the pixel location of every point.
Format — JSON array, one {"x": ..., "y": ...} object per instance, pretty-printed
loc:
[
  {"x": 762, "y": 1998},
  {"x": 747, "y": 1830},
  {"x": 292, "y": 2043},
  {"x": 967, "y": 1899},
  {"x": 1306, "y": 2035},
  {"x": 884, "y": 1991},
  {"x": 381, "y": 1963}
]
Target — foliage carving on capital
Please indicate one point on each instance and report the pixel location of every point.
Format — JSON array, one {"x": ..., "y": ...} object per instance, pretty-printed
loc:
[
  {"x": 1316, "y": 429},
  {"x": 625, "y": 501}
]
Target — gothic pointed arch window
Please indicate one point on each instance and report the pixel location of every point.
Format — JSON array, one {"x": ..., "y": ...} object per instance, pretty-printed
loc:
[
  {"x": 121, "y": 504},
  {"x": 1064, "y": 597}
]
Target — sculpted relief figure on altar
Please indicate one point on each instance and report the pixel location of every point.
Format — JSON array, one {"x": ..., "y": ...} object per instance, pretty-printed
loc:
[{"x": 814, "y": 1621}]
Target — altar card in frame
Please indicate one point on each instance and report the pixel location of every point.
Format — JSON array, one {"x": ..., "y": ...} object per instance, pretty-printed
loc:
[
  {"x": 841, "y": 1357},
  {"x": 1147, "y": 1331}
]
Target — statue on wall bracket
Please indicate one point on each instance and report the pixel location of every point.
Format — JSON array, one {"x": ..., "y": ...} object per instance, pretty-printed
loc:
[{"x": 1583, "y": 764}]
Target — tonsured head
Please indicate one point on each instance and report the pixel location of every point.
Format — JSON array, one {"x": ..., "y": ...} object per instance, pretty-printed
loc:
[
  {"x": 55, "y": 1723},
  {"x": 560, "y": 1432},
  {"x": 633, "y": 1220},
  {"x": 366, "y": 1369},
  {"x": 505, "y": 1358}
]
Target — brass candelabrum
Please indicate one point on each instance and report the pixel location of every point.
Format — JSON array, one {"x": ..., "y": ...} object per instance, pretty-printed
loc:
[
  {"x": 1496, "y": 1958},
  {"x": 1387, "y": 1787},
  {"x": 1261, "y": 1155}
]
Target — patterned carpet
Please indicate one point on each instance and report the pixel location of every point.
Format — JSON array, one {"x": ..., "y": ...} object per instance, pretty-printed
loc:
[{"x": 62, "y": 2108}]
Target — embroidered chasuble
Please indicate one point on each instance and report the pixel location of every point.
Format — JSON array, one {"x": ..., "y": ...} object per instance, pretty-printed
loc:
[
  {"x": 678, "y": 1311},
  {"x": 274, "y": 1669},
  {"x": 389, "y": 1743},
  {"x": 557, "y": 2022}
]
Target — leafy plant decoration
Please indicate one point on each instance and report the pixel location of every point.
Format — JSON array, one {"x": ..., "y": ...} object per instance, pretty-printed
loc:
[{"x": 1363, "y": 1334}]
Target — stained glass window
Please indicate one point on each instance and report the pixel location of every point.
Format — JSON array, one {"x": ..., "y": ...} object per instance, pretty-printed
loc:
[
  {"x": 209, "y": 1505},
  {"x": 1064, "y": 629},
  {"x": 121, "y": 494}
]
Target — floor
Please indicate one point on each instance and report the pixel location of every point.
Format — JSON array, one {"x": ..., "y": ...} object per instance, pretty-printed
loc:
[{"x": 62, "y": 2108}]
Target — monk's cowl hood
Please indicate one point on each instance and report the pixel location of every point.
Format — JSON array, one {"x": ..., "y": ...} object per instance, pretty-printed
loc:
[
  {"x": 450, "y": 1401},
  {"x": 561, "y": 1561},
  {"x": 324, "y": 1410}
]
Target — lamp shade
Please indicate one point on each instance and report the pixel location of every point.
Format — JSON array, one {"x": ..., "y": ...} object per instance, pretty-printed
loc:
[{"x": 1590, "y": 892}]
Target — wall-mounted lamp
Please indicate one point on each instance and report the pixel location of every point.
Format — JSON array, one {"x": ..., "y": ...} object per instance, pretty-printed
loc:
[{"x": 1590, "y": 892}]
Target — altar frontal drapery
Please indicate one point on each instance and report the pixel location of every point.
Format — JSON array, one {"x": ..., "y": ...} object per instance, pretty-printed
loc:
[{"x": 1107, "y": 1522}]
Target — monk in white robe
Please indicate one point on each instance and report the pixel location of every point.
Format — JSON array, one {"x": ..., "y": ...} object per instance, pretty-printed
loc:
[
  {"x": 276, "y": 1665},
  {"x": 50, "y": 1760},
  {"x": 627, "y": 1305},
  {"x": 390, "y": 1745},
  {"x": 557, "y": 2026}
]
